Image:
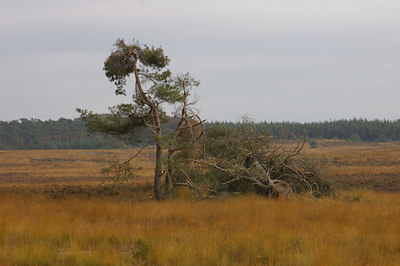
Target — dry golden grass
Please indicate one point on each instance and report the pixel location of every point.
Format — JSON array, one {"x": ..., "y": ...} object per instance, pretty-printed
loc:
[
  {"x": 359, "y": 227},
  {"x": 356, "y": 228}
]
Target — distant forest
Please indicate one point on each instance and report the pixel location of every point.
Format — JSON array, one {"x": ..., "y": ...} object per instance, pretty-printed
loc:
[
  {"x": 351, "y": 130},
  {"x": 64, "y": 133}
]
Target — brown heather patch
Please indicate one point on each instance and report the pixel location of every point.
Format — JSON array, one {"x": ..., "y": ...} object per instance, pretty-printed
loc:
[
  {"x": 65, "y": 166},
  {"x": 352, "y": 165},
  {"x": 361, "y": 165}
]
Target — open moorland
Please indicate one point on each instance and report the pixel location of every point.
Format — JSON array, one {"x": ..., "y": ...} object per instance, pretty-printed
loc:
[
  {"x": 64, "y": 172},
  {"x": 374, "y": 166},
  {"x": 57, "y": 208},
  {"x": 358, "y": 165}
]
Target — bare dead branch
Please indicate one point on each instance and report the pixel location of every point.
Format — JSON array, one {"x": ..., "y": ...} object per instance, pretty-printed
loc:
[{"x": 190, "y": 184}]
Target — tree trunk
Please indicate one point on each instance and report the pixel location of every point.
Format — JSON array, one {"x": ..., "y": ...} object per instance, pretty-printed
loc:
[
  {"x": 158, "y": 173},
  {"x": 158, "y": 170},
  {"x": 168, "y": 175}
]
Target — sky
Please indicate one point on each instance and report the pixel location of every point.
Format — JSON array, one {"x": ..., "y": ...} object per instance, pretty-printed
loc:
[{"x": 272, "y": 60}]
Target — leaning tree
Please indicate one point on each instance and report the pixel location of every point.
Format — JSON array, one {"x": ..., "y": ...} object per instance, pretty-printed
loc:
[
  {"x": 227, "y": 161},
  {"x": 154, "y": 89}
]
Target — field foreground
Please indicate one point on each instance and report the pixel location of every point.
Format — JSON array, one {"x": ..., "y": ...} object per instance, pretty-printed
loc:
[
  {"x": 356, "y": 228},
  {"x": 54, "y": 210}
]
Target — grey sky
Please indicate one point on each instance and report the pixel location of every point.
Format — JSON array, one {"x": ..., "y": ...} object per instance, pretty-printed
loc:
[{"x": 279, "y": 60}]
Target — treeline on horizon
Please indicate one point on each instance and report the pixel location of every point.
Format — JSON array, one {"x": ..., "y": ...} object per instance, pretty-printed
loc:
[
  {"x": 350, "y": 130},
  {"x": 64, "y": 133}
]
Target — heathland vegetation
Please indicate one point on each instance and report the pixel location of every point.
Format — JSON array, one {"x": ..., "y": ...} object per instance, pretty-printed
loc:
[
  {"x": 374, "y": 166},
  {"x": 55, "y": 211}
]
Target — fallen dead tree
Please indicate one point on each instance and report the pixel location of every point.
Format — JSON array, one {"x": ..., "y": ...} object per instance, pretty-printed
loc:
[{"x": 243, "y": 160}]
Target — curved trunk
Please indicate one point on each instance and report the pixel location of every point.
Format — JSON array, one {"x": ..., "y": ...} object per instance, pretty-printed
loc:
[{"x": 156, "y": 130}]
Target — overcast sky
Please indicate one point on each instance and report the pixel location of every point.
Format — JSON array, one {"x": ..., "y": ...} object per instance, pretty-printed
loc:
[{"x": 274, "y": 60}]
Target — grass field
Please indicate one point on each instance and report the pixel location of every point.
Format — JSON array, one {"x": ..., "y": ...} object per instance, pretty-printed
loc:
[
  {"x": 353, "y": 229},
  {"x": 86, "y": 226}
]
